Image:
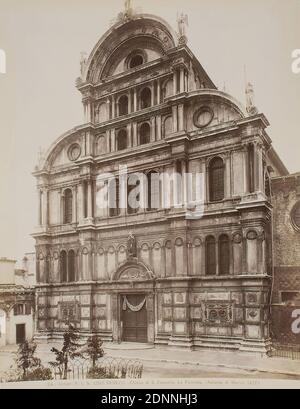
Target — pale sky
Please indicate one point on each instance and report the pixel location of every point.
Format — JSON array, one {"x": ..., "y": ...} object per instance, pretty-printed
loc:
[{"x": 38, "y": 99}]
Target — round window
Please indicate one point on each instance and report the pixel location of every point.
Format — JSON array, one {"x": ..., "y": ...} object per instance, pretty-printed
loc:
[
  {"x": 203, "y": 117},
  {"x": 296, "y": 215},
  {"x": 74, "y": 152}
]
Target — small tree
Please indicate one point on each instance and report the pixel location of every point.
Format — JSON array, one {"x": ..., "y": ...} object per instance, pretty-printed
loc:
[
  {"x": 94, "y": 349},
  {"x": 68, "y": 352},
  {"x": 26, "y": 357}
]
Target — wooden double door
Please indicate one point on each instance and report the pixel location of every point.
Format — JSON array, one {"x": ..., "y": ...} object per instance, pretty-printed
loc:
[{"x": 135, "y": 323}]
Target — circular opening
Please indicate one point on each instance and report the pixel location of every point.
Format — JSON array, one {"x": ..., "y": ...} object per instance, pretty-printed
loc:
[
  {"x": 136, "y": 61},
  {"x": 74, "y": 152},
  {"x": 203, "y": 117}
]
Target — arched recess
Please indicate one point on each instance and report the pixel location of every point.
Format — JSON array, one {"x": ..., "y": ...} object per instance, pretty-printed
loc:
[
  {"x": 168, "y": 126},
  {"x": 145, "y": 131},
  {"x": 122, "y": 140},
  {"x": 145, "y": 98},
  {"x": 123, "y": 105},
  {"x": 216, "y": 174},
  {"x": 101, "y": 147},
  {"x": 101, "y": 113},
  {"x": 133, "y": 271}
]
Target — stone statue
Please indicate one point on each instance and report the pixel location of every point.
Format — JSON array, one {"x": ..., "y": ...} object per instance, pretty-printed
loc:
[
  {"x": 251, "y": 108},
  {"x": 183, "y": 22},
  {"x": 83, "y": 61},
  {"x": 131, "y": 246}
]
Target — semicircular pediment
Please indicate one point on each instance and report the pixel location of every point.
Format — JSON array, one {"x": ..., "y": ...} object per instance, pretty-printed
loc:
[{"x": 133, "y": 272}]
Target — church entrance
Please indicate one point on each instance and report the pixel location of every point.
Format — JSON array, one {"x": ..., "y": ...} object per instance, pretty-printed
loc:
[{"x": 134, "y": 318}]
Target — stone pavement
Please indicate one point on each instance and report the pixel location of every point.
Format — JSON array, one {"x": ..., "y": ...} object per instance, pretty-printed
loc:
[{"x": 202, "y": 359}]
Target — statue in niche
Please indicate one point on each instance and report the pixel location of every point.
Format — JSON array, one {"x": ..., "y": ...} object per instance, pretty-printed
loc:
[{"x": 131, "y": 246}]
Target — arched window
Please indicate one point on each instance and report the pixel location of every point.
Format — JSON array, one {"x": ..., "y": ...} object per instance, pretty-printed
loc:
[
  {"x": 216, "y": 180},
  {"x": 136, "y": 61},
  {"x": 122, "y": 140},
  {"x": 133, "y": 195},
  {"x": 123, "y": 105},
  {"x": 146, "y": 98},
  {"x": 153, "y": 191},
  {"x": 114, "y": 197},
  {"x": 68, "y": 206},
  {"x": 224, "y": 254},
  {"x": 210, "y": 254},
  {"x": 144, "y": 134},
  {"x": 63, "y": 267},
  {"x": 71, "y": 266}
]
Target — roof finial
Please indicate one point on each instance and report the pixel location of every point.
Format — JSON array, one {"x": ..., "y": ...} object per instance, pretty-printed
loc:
[
  {"x": 183, "y": 23},
  {"x": 249, "y": 90}
]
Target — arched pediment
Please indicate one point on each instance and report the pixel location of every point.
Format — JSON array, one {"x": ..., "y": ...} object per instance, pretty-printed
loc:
[
  {"x": 159, "y": 36},
  {"x": 133, "y": 271}
]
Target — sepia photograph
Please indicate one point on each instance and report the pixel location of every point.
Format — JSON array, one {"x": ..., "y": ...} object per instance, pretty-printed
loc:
[{"x": 150, "y": 197}]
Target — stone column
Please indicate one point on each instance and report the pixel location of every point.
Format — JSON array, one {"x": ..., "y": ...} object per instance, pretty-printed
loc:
[
  {"x": 175, "y": 81},
  {"x": 182, "y": 79},
  {"x": 80, "y": 202},
  {"x": 113, "y": 140},
  {"x": 158, "y": 92},
  {"x": 45, "y": 203},
  {"x": 152, "y": 136},
  {"x": 184, "y": 181},
  {"x": 113, "y": 110},
  {"x": 135, "y": 101},
  {"x": 158, "y": 128},
  {"x": 217, "y": 257},
  {"x": 129, "y": 135},
  {"x": 108, "y": 109},
  {"x": 152, "y": 94},
  {"x": 135, "y": 134},
  {"x": 74, "y": 198},
  {"x": 181, "y": 117},
  {"x": 129, "y": 102},
  {"x": 89, "y": 201},
  {"x": 228, "y": 175},
  {"x": 40, "y": 219},
  {"x": 175, "y": 118}
]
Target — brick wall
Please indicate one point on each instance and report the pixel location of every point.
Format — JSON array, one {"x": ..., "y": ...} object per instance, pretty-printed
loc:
[{"x": 285, "y": 195}]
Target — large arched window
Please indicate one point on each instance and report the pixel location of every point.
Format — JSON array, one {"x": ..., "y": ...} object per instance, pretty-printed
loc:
[
  {"x": 153, "y": 179},
  {"x": 68, "y": 206},
  {"x": 146, "y": 98},
  {"x": 63, "y": 267},
  {"x": 123, "y": 105},
  {"x": 122, "y": 140},
  {"x": 224, "y": 254},
  {"x": 216, "y": 180},
  {"x": 133, "y": 195},
  {"x": 210, "y": 255},
  {"x": 144, "y": 134},
  {"x": 114, "y": 197},
  {"x": 71, "y": 266}
]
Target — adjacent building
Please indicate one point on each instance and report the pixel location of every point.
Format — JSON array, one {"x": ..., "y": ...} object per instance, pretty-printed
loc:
[
  {"x": 17, "y": 303},
  {"x": 180, "y": 269}
]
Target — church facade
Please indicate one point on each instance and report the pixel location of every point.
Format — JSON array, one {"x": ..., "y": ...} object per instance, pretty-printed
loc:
[{"x": 162, "y": 272}]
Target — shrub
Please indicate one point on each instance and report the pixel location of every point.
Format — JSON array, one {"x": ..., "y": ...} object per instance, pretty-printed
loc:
[{"x": 100, "y": 373}]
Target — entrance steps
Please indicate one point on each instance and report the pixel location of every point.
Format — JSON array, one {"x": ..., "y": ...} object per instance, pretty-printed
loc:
[{"x": 128, "y": 346}]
